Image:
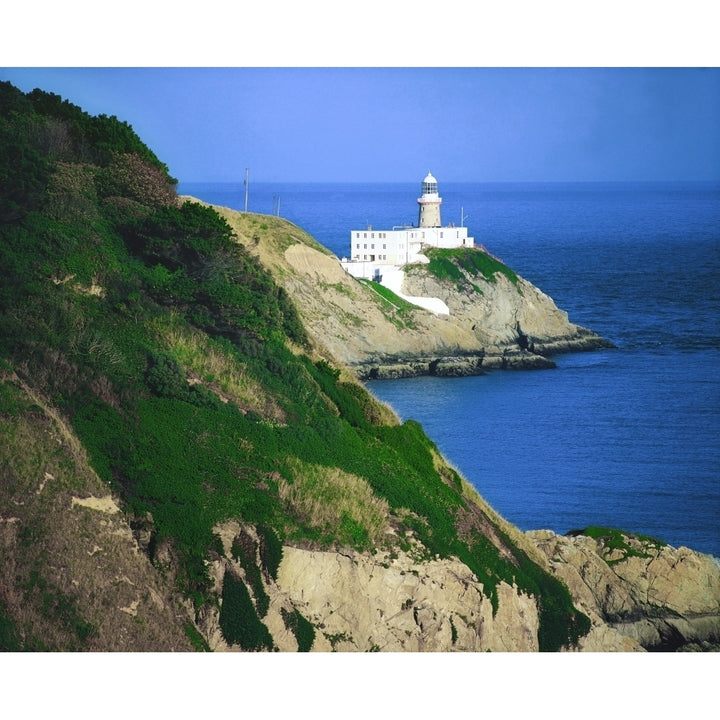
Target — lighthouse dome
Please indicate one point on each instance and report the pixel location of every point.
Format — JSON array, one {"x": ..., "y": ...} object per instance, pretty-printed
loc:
[{"x": 429, "y": 185}]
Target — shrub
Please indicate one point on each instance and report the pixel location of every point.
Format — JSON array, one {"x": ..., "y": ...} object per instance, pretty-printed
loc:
[
  {"x": 271, "y": 550},
  {"x": 130, "y": 176},
  {"x": 9, "y": 635},
  {"x": 197, "y": 640},
  {"x": 300, "y": 627},
  {"x": 239, "y": 621},
  {"x": 244, "y": 549},
  {"x": 616, "y": 540},
  {"x": 165, "y": 378},
  {"x": 457, "y": 264}
]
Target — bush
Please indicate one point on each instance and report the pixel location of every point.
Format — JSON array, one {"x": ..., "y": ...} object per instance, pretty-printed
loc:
[
  {"x": 239, "y": 622},
  {"x": 271, "y": 550},
  {"x": 300, "y": 627},
  {"x": 164, "y": 377},
  {"x": 456, "y": 264},
  {"x": 244, "y": 549},
  {"x": 166, "y": 380},
  {"x": 9, "y": 635},
  {"x": 130, "y": 176}
]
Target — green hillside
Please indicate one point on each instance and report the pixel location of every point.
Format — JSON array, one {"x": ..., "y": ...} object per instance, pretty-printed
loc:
[{"x": 184, "y": 373}]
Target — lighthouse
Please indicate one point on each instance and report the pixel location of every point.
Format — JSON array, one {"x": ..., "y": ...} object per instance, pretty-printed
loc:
[
  {"x": 376, "y": 254},
  {"x": 429, "y": 203}
]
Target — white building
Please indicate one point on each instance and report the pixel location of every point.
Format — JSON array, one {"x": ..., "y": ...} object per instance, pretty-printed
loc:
[{"x": 375, "y": 253}]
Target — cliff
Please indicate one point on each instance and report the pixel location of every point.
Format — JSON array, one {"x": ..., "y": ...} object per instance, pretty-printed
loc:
[
  {"x": 81, "y": 573},
  {"x": 496, "y": 320}
]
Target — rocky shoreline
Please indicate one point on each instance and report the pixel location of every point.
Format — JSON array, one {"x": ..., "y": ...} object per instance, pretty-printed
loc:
[{"x": 536, "y": 357}]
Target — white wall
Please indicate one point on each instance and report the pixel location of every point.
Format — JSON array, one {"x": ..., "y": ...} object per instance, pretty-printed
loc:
[{"x": 399, "y": 247}]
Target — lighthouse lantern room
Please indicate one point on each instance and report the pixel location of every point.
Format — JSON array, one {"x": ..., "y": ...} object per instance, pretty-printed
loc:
[{"x": 429, "y": 203}]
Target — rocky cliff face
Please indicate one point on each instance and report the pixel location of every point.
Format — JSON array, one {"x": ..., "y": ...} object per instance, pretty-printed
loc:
[
  {"x": 506, "y": 316},
  {"x": 393, "y": 603},
  {"x": 657, "y": 596},
  {"x": 663, "y": 598},
  {"x": 361, "y": 603}
]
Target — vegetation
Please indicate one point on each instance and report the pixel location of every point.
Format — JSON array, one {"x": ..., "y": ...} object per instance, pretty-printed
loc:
[
  {"x": 300, "y": 627},
  {"x": 239, "y": 622},
  {"x": 460, "y": 264},
  {"x": 271, "y": 550},
  {"x": 617, "y": 547},
  {"x": 189, "y": 379},
  {"x": 398, "y": 310},
  {"x": 245, "y": 550}
]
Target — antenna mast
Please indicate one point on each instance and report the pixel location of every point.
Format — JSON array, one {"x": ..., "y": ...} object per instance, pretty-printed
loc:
[{"x": 247, "y": 183}]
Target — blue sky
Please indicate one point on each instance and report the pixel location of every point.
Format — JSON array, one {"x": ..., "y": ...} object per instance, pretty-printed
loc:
[{"x": 393, "y": 124}]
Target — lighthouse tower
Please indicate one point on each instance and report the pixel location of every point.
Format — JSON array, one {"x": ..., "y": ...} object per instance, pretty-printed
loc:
[{"x": 429, "y": 203}]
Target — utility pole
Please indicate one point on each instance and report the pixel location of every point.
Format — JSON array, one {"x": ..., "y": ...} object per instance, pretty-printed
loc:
[{"x": 247, "y": 183}]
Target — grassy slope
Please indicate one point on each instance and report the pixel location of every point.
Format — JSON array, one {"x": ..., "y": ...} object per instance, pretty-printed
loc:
[{"x": 167, "y": 349}]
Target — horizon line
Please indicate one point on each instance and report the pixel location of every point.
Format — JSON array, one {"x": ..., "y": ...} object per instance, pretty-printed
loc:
[{"x": 241, "y": 181}]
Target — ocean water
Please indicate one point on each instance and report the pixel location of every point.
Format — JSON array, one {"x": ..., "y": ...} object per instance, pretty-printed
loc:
[{"x": 628, "y": 437}]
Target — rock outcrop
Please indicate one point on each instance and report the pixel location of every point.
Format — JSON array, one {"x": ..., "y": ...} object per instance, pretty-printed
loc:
[
  {"x": 385, "y": 603},
  {"x": 644, "y": 596},
  {"x": 660, "y": 597}
]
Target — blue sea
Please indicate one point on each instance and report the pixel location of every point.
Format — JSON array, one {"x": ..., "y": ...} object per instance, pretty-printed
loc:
[{"x": 626, "y": 438}]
